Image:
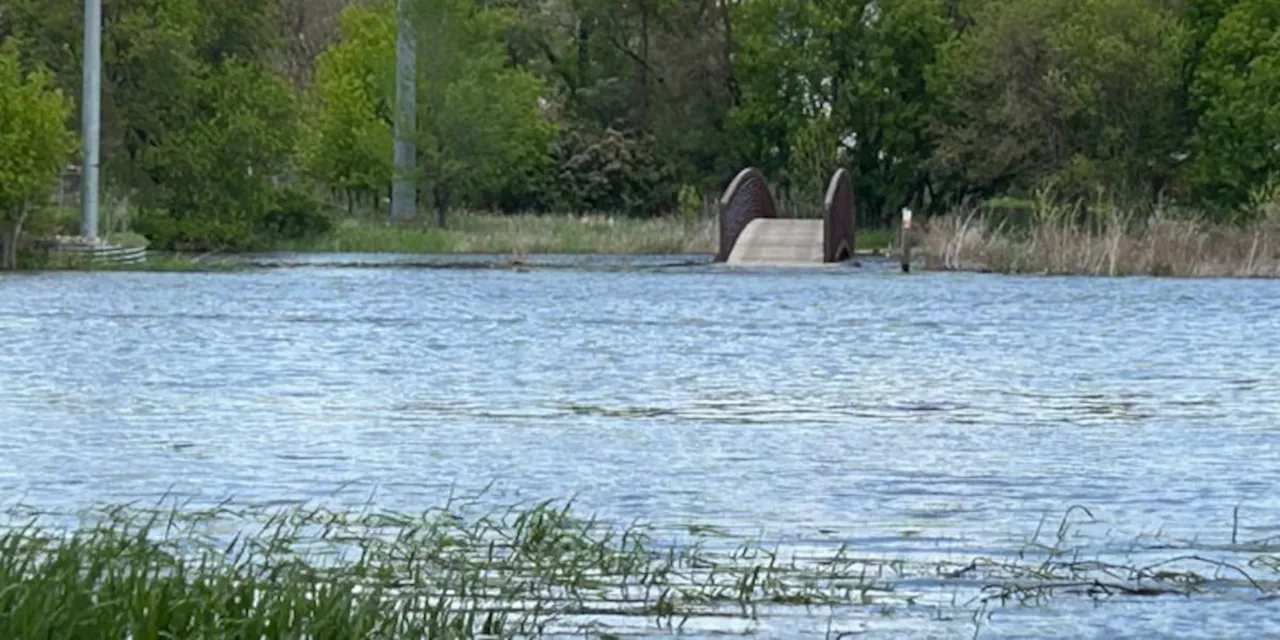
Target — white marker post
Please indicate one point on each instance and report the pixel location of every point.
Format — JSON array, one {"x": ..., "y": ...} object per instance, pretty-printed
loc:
[{"x": 905, "y": 240}]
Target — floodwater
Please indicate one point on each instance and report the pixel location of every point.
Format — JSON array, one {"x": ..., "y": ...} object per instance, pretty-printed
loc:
[{"x": 911, "y": 417}]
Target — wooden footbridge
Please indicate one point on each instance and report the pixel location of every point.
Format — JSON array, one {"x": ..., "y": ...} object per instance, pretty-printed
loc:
[{"x": 751, "y": 233}]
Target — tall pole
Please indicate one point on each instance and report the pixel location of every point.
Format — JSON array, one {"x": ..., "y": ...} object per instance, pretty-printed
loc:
[
  {"x": 404, "y": 204},
  {"x": 90, "y": 107}
]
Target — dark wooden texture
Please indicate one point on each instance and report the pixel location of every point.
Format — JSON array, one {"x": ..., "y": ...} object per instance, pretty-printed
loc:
[
  {"x": 746, "y": 199},
  {"x": 839, "y": 230}
]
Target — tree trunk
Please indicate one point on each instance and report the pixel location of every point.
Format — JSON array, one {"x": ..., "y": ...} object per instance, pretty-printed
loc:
[
  {"x": 644, "y": 66},
  {"x": 735, "y": 91},
  {"x": 584, "y": 56},
  {"x": 9, "y": 239},
  {"x": 441, "y": 198}
]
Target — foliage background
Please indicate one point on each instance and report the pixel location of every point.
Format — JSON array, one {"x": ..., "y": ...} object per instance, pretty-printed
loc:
[{"x": 230, "y": 124}]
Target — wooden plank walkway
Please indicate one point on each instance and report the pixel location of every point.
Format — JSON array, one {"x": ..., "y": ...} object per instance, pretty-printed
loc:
[{"x": 779, "y": 241}]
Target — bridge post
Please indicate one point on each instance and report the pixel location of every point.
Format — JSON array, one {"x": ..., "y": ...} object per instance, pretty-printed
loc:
[{"x": 905, "y": 239}]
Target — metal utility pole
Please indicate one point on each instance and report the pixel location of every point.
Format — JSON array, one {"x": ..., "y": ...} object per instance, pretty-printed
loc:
[
  {"x": 90, "y": 107},
  {"x": 404, "y": 205}
]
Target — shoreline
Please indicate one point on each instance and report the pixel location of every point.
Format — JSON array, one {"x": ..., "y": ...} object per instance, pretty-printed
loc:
[
  {"x": 164, "y": 262},
  {"x": 232, "y": 262},
  {"x": 503, "y": 241},
  {"x": 475, "y": 261},
  {"x": 1044, "y": 245}
]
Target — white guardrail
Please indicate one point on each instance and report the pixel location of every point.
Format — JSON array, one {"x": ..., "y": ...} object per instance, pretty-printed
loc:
[{"x": 97, "y": 250}]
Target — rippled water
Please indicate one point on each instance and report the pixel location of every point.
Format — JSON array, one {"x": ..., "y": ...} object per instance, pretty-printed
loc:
[{"x": 922, "y": 417}]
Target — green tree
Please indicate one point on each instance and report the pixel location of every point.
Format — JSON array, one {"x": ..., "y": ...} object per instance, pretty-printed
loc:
[
  {"x": 1081, "y": 93},
  {"x": 150, "y": 53},
  {"x": 150, "y": 60},
  {"x": 857, "y": 64},
  {"x": 1237, "y": 96},
  {"x": 347, "y": 142},
  {"x": 482, "y": 128},
  {"x": 238, "y": 29},
  {"x": 34, "y": 145},
  {"x": 183, "y": 81},
  {"x": 214, "y": 177},
  {"x": 481, "y": 124},
  {"x": 1202, "y": 18},
  {"x": 659, "y": 73}
]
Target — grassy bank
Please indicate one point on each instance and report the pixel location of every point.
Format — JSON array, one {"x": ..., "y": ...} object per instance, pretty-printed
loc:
[
  {"x": 517, "y": 234},
  {"x": 529, "y": 234},
  {"x": 1060, "y": 240},
  {"x": 874, "y": 241},
  {"x": 453, "y": 573}
]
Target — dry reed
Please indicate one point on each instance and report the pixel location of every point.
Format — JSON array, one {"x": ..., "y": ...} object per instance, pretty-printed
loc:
[{"x": 1061, "y": 239}]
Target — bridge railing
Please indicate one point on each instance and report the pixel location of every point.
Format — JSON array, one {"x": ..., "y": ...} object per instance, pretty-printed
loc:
[
  {"x": 839, "y": 219},
  {"x": 746, "y": 199}
]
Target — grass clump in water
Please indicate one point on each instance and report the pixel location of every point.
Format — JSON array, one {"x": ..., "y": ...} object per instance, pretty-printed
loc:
[
  {"x": 447, "y": 573},
  {"x": 318, "y": 573}
]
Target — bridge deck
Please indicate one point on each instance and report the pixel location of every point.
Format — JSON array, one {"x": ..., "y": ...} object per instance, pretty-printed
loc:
[{"x": 779, "y": 241}]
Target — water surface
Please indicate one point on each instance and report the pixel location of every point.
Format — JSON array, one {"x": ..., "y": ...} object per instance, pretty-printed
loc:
[{"x": 922, "y": 417}]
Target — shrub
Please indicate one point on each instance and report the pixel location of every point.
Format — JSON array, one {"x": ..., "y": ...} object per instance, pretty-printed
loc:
[
  {"x": 294, "y": 215},
  {"x": 612, "y": 172}
]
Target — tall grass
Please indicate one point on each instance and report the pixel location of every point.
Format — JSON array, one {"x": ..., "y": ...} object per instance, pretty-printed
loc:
[
  {"x": 318, "y": 573},
  {"x": 874, "y": 240},
  {"x": 454, "y": 573},
  {"x": 528, "y": 234},
  {"x": 1057, "y": 238},
  {"x": 520, "y": 234}
]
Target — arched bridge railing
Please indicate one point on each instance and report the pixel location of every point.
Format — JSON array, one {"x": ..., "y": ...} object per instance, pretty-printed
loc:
[
  {"x": 839, "y": 219},
  {"x": 748, "y": 198}
]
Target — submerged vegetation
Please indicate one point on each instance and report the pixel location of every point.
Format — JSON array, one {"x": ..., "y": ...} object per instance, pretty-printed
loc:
[{"x": 455, "y": 572}]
